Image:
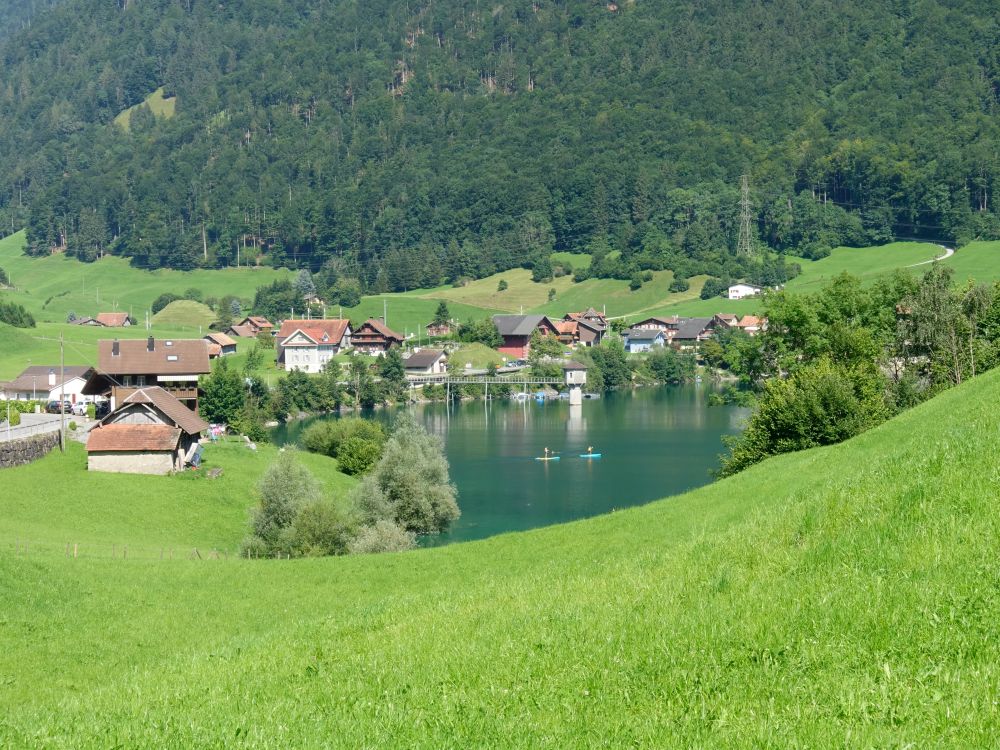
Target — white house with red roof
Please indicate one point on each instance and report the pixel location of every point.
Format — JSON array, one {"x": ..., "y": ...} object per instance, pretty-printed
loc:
[{"x": 307, "y": 345}]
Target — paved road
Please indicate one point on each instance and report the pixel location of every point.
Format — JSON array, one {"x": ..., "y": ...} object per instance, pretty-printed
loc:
[{"x": 948, "y": 252}]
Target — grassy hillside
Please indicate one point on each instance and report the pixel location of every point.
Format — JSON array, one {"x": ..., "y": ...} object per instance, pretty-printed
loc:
[
  {"x": 159, "y": 105},
  {"x": 977, "y": 260},
  {"x": 145, "y": 512},
  {"x": 52, "y": 286},
  {"x": 185, "y": 313},
  {"x": 846, "y": 596}
]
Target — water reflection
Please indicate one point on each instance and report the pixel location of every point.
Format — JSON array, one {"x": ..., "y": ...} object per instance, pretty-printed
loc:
[{"x": 655, "y": 442}]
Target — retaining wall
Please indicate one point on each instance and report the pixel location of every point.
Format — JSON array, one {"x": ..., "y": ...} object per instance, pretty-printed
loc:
[{"x": 26, "y": 450}]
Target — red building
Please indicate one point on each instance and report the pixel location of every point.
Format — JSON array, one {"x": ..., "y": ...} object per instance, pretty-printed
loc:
[{"x": 516, "y": 332}]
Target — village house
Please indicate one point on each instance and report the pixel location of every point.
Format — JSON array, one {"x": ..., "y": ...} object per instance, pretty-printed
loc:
[
  {"x": 130, "y": 364},
  {"x": 752, "y": 324},
  {"x": 219, "y": 345},
  {"x": 42, "y": 383},
  {"x": 586, "y": 328},
  {"x": 741, "y": 291},
  {"x": 691, "y": 332},
  {"x": 426, "y": 362},
  {"x": 375, "y": 337},
  {"x": 307, "y": 345},
  {"x": 721, "y": 321},
  {"x": 113, "y": 319},
  {"x": 516, "y": 330},
  {"x": 257, "y": 323},
  {"x": 241, "y": 331},
  {"x": 86, "y": 321},
  {"x": 436, "y": 330},
  {"x": 644, "y": 339},
  {"x": 150, "y": 432}
]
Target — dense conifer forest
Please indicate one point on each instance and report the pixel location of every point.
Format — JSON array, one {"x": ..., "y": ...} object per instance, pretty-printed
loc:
[{"x": 394, "y": 144}]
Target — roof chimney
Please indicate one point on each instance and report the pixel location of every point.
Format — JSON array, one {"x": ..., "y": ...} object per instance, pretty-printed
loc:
[
  {"x": 115, "y": 348},
  {"x": 150, "y": 344},
  {"x": 52, "y": 376}
]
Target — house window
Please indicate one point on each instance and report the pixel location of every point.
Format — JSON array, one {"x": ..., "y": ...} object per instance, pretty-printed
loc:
[{"x": 171, "y": 358}]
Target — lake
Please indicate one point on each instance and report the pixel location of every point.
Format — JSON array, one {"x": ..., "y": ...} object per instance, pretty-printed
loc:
[{"x": 654, "y": 442}]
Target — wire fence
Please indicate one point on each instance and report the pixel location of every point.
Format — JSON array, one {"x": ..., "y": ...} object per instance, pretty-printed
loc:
[{"x": 28, "y": 548}]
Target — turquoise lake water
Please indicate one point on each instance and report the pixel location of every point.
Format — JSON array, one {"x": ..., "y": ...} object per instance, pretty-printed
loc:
[{"x": 654, "y": 442}]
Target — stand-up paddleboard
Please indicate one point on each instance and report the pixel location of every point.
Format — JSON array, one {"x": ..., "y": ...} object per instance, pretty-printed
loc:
[
  {"x": 546, "y": 458},
  {"x": 590, "y": 455}
]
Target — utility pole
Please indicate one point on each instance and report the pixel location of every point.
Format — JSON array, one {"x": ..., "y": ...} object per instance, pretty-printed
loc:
[
  {"x": 744, "y": 246},
  {"x": 385, "y": 311},
  {"x": 62, "y": 395}
]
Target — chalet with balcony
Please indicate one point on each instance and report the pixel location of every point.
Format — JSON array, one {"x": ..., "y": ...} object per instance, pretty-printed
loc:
[
  {"x": 307, "y": 345},
  {"x": 124, "y": 367},
  {"x": 375, "y": 337}
]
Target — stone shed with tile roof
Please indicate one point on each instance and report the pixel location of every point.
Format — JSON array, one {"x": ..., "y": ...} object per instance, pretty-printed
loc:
[{"x": 151, "y": 432}]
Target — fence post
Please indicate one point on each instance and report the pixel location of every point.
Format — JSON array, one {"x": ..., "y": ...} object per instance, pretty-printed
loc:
[{"x": 74, "y": 549}]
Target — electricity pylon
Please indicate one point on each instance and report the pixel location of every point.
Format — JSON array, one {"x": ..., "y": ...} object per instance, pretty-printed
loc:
[{"x": 745, "y": 245}]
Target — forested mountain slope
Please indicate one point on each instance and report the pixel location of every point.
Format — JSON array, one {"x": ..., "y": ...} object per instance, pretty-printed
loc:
[
  {"x": 16, "y": 15},
  {"x": 405, "y": 143}
]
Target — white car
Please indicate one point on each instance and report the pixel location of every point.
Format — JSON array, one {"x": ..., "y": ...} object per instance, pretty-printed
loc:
[{"x": 79, "y": 409}]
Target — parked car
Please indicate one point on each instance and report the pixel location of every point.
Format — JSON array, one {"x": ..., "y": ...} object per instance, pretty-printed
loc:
[
  {"x": 101, "y": 409},
  {"x": 53, "y": 407},
  {"x": 80, "y": 409}
]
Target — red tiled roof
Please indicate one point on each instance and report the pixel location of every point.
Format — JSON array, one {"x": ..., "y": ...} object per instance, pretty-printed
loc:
[
  {"x": 217, "y": 337},
  {"x": 749, "y": 320},
  {"x": 260, "y": 321},
  {"x": 166, "y": 402},
  {"x": 214, "y": 350},
  {"x": 334, "y": 329},
  {"x": 133, "y": 437},
  {"x": 112, "y": 319}
]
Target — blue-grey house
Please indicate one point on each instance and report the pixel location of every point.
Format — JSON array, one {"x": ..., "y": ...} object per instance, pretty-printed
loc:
[{"x": 643, "y": 339}]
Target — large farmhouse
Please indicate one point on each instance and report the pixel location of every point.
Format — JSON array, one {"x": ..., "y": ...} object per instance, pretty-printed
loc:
[
  {"x": 126, "y": 365},
  {"x": 307, "y": 345},
  {"x": 151, "y": 432}
]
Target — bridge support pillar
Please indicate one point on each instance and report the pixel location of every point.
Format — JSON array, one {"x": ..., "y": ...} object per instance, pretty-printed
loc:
[{"x": 575, "y": 395}]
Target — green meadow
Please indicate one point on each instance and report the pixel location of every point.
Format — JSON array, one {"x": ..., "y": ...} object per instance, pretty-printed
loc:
[
  {"x": 55, "y": 285},
  {"x": 846, "y": 596},
  {"x": 158, "y": 104},
  {"x": 143, "y": 513}
]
